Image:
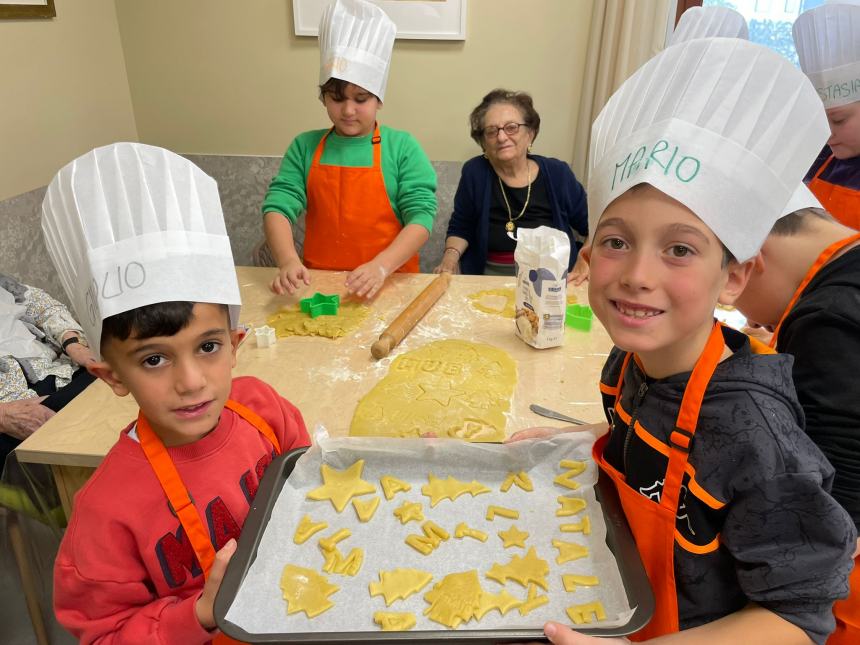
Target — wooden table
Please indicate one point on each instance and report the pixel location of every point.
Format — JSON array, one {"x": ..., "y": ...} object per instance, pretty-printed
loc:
[{"x": 326, "y": 378}]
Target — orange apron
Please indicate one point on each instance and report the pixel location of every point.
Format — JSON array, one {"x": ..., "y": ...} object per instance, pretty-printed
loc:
[
  {"x": 350, "y": 220},
  {"x": 177, "y": 494},
  {"x": 840, "y": 201},
  {"x": 653, "y": 523},
  {"x": 820, "y": 261},
  {"x": 847, "y": 612}
]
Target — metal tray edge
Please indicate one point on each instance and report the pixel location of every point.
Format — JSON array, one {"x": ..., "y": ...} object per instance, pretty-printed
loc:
[{"x": 620, "y": 542}]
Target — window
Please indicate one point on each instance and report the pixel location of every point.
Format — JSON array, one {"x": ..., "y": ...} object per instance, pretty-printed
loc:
[{"x": 770, "y": 21}]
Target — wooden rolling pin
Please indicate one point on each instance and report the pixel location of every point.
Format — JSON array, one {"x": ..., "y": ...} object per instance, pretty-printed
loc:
[{"x": 415, "y": 310}]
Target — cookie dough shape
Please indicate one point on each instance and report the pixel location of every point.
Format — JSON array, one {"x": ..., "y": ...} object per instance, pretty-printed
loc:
[
  {"x": 580, "y": 614},
  {"x": 306, "y": 528},
  {"x": 513, "y": 537},
  {"x": 521, "y": 479},
  {"x": 572, "y": 469},
  {"x": 583, "y": 526},
  {"x": 392, "y": 621},
  {"x": 365, "y": 509},
  {"x": 306, "y": 590},
  {"x": 572, "y": 581},
  {"x": 409, "y": 511},
  {"x": 501, "y": 511},
  {"x": 503, "y": 601},
  {"x": 501, "y": 302},
  {"x": 532, "y": 601},
  {"x": 340, "y": 486},
  {"x": 433, "y": 536},
  {"x": 494, "y": 301},
  {"x": 453, "y": 388},
  {"x": 391, "y": 486},
  {"x": 464, "y": 530},
  {"x": 399, "y": 584},
  {"x": 292, "y": 321},
  {"x": 455, "y": 599},
  {"x": 438, "y": 489},
  {"x": 569, "y": 551},
  {"x": 569, "y": 506},
  {"x": 524, "y": 570}
]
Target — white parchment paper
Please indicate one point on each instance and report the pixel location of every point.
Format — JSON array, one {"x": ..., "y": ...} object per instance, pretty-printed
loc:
[{"x": 259, "y": 608}]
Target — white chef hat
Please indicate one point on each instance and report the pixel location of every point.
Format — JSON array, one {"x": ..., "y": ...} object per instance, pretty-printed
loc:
[
  {"x": 801, "y": 198},
  {"x": 129, "y": 225},
  {"x": 707, "y": 22},
  {"x": 827, "y": 40},
  {"x": 726, "y": 127},
  {"x": 356, "y": 39}
]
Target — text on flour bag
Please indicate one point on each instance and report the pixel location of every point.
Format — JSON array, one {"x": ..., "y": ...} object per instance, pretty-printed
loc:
[{"x": 541, "y": 257}]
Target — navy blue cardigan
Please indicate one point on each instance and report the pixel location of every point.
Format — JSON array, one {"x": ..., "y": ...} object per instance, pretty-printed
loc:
[{"x": 471, "y": 217}]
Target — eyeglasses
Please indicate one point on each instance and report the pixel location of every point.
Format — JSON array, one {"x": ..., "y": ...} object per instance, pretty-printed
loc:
[{"x": 509, "y": 129}]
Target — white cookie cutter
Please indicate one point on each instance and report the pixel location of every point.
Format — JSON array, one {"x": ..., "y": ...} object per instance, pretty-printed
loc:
[{"x": 265, "y": 336}]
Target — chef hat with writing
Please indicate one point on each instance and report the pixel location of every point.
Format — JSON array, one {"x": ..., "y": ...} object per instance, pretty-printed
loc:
[
  {"x": 827, "y": 40},
  {"x": 129, "y": 225},
  {"x": 707, "y": 22},
  {"x": 726, "y": 127},
  {"x": 356, "y": 39}
]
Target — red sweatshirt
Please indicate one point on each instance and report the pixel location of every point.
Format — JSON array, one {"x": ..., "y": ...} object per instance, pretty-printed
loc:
[{"x": 126, "y": 572}]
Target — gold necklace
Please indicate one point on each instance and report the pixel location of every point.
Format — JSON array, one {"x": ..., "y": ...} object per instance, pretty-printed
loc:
[{"x": 509, "y": 227}]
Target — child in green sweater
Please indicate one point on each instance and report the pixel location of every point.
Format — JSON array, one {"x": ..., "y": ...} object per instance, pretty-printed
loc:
[{"x": 369, "y": 190}]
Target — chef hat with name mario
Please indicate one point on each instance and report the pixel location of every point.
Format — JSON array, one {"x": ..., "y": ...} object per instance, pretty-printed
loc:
[
  {"x": 827, "y": 40},
  {"x": 726, "y": 127},
  {"x": 356, "y": 39},
  {"x": 708, "y": 22},
  {"x": 129, "y": 225}
]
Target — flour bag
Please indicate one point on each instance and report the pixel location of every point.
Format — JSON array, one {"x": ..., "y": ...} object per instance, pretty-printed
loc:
[{"x": 541, "y": 297}]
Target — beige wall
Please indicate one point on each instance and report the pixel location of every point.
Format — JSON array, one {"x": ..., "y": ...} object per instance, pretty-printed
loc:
[
  {"x": 228, "y": 77},
  {"x": 64, "y": 91}
]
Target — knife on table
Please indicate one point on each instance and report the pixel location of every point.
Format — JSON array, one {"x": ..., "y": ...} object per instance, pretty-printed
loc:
[{"x": 552, "y": 414}]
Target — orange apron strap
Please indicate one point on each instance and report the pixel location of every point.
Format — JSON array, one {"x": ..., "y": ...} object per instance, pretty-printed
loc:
[
  {"x": 255, "y": 420},
  {"x": 820, "y": 261},
  {"x": 823, "y": 167},
  {"x": 618, "y": 385},
  {"x": 688, "y": 417},
  {"x": 177, "y": 493}
]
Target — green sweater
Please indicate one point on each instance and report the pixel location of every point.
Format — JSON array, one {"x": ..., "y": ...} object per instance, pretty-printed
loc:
[{"x": 410, "y": 180}]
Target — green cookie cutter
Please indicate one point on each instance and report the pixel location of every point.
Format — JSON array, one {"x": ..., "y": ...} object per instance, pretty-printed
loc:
[
  {"x": 579, "y": 317},
  {"x": 320, "y": 304}
]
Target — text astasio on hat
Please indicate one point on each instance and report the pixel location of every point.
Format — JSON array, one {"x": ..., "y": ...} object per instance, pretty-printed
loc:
[
  {"x": 129, "y": 225},
  {"x": 356, "y": 39},
  {"x": 827, "y": 40},
  {"x": 708, "y": 22},
  {"x": 726, "y": 127}
]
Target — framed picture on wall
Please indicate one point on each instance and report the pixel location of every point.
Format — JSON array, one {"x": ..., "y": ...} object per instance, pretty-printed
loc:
[
  {"x": 27, "y": 9},
  {"x": 415, "y": 19}
]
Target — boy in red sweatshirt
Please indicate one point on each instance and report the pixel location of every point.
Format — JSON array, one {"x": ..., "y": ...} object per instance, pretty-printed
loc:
[{"x": 138, "y": 238}]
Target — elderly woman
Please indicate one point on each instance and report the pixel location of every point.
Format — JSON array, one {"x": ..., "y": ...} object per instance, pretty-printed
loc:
[
  {"x": 507, "y": 188},
  {"x": 41, "y": 349}
]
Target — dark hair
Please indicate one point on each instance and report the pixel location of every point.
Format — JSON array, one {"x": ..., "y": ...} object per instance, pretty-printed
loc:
[
  {"x": 520, "y": 100},
  {"x": 336, "y": 88},
  {"x": 159, "y": 319},
  {"x": 796, "y": 222}
]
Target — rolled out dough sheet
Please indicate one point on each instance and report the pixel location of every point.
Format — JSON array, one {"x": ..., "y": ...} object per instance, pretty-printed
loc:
[
  {"x": 292, "y": 321},
  {"x": 501, "y": 302},
  {"x": 453, "y": 388}
]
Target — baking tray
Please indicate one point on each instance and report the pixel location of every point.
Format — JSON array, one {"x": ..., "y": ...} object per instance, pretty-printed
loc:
[{"x": 618, "y": 539}]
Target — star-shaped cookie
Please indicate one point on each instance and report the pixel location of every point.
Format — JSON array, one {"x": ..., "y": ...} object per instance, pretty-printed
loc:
[{"x": 340, "y": 486}]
